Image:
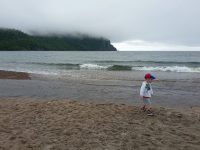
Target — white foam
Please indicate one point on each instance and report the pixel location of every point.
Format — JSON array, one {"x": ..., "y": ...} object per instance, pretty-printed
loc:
[
  {"x": 31, "y": 71},
  {"x": 168, "y": 68},
  {"x": 93, "y": 67}
]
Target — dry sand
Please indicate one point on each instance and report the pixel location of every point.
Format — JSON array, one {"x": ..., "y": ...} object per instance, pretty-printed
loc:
[{"x": 70, "y": 125}]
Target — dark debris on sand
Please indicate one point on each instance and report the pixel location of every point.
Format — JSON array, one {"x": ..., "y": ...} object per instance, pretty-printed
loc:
[{"x": 14, "y": 75}]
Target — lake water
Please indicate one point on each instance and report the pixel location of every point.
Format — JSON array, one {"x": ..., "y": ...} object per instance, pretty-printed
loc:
[{"x": 60, "y": 62}]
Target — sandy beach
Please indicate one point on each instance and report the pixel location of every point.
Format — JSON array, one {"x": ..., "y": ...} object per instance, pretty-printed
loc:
[
  {"x": 30, "y": 124},
  {"x": 39, "y": 112}
]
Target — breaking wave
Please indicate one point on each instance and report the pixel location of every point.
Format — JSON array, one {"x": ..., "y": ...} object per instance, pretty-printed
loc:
[
  {"x": 118, "y": 67},
  {"x": 169, "y": 69}
]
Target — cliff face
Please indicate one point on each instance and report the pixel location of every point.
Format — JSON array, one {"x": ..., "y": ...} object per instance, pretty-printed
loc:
[{"x": 14, "y": 40}]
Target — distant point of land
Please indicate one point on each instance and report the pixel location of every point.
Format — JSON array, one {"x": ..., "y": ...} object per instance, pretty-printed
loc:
[{"x": 15, "y": 40}]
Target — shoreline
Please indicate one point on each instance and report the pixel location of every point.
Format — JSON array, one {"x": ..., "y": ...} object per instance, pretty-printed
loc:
[
  {"x": 57, "y": 124},
  {"x": 106, "y": 88}
]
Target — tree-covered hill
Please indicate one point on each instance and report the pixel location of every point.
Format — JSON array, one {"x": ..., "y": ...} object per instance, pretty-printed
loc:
[{"x": 14, "y": 40}]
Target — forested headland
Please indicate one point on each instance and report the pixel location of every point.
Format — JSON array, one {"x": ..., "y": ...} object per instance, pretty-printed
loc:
[{"x": 15, "y": 40}]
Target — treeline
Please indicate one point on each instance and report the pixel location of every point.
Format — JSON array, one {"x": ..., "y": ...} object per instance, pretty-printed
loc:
[{"x": 14, "y": 40}]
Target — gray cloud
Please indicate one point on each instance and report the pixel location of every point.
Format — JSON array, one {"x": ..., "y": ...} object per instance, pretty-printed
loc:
[{"x": 171, "y": 21}]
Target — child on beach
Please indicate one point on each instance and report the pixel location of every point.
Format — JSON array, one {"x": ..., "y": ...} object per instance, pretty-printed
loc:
[{"x": 146, "y": 92}]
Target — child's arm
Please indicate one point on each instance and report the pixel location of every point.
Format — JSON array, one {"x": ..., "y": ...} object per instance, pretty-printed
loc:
[
  {"x": 151, "y": 90},
  {"x": 142, "y": 89}
]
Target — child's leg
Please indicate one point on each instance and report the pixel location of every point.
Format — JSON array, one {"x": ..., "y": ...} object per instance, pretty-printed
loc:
[
  {"x": 149, "y": 107},
  {"x": 143, "y": 107}
]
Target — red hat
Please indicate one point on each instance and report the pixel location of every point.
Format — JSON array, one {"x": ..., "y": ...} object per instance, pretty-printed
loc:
[{"x": 149, "y": 76}]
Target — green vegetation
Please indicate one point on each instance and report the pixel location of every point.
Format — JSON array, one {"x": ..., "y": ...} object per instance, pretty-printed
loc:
[{"x": 14, "y": 40}]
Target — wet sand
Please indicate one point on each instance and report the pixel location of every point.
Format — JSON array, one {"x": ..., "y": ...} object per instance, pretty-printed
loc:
[
  {"x": 172, "y": 90},
  {"x": 30, "y": 124}
]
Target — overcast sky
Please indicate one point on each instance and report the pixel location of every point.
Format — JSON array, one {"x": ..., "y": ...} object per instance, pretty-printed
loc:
[{"x": 128, "y": 24}]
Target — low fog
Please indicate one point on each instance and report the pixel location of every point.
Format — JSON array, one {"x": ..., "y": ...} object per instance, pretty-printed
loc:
[{"x": 170, "y": 22}]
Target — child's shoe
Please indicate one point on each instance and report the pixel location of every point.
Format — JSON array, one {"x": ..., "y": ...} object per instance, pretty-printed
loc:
[{"x": 150, "y": 113}]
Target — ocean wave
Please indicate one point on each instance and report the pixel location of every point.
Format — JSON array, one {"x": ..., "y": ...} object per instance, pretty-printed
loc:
[
  {"x": 119, "y": 68},
  {"x": 107, "y": 67},
  {"x": 93, "y": 67},
  {"x": 88, "y": 66},
  {"x": 149, "y": 62},
  {"x": 169, "y": 69},
  {"x": 123, "y": 67},
  {"x": 120, "y": 61},
  {"x": 140, "y": 68},
  {"x": 53, "y": 64}
]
